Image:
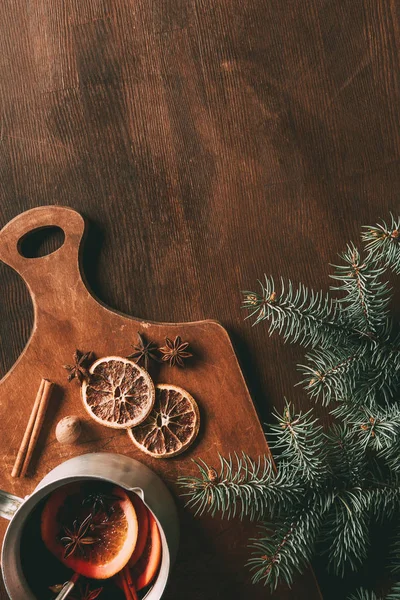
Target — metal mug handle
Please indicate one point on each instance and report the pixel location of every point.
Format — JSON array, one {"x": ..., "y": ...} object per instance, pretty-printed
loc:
[{"x": 9, "y": 504}]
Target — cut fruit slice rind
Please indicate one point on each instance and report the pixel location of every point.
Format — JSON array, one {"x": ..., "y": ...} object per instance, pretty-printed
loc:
[
  {"x": 145, "y": 570},
  {"x": 119, "y": 393},
  {"x": 172, "y": 425},
  {"x": 142, "y": 514},
  {"x": 114, "y": 535}
]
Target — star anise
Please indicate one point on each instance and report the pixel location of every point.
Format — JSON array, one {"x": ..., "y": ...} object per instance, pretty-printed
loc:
[
  {"x": 76, "y": 538},
  {"x": 81, "y": 593},
  {"x": 175, "y": 352},
  {"x": 144, "y": 351},
  {"x": 79, "y": 369},
  {"x": 100, "y": 502}
]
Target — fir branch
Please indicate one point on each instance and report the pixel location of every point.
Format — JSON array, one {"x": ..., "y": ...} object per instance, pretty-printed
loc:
[
  {"x": 383, "y": 244},
  {"x": 390, "y": 456},
  {"x": 299, "y": 315},
  {"x": 377, "y": 428},
  {"x": 395, "y": 552},
  {"x": 299, "y": 442},
  {"x": 332, "y": 375},
  {"x": 366, "y": 297},
  {"x": 363, "y": 594},
  {"x": 394, "y": 593},
  {"x": 242, "y": 487},
  {"x": 348, "y": 525},
  {"x": 384, "y": 366},
  {"x": 285, "y": 549},
  {"x": 347, "y": 458},
  {"x": 365, "y": 369},
  {"x": 327, "y": 487},
  {"x": 382, "y": 500}
]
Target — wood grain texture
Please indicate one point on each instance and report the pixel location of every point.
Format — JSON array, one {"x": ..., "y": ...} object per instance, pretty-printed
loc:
[
  {"x": 207, "y": 142},
  {"x": 67, "y": 317}
]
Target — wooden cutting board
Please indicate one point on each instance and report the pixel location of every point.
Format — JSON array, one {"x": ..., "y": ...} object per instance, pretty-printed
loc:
[{"x": 212, "y": 555}]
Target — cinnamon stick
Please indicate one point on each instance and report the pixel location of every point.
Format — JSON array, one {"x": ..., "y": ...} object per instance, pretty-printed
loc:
[
  {"x": 33, "y": 429},
  {"x": 44, "y": 401},
  {"x": 128, "y": 585},
  {"x": 27, "y": 435}
]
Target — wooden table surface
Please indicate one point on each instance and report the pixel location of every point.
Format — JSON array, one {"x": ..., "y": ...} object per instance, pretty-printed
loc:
[{"x": 207, "y": 142}]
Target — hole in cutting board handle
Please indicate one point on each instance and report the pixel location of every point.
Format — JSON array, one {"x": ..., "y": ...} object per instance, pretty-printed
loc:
[{"x": 41, "y": 242}]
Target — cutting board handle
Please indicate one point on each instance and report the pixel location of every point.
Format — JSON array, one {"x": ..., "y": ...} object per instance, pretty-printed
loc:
[{"x": 56, "y": 271}]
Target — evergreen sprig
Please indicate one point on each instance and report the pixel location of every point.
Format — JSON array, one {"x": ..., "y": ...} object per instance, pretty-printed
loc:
[
  {"x": 297, "y": 442},
  {"x": 394, "y": 594},
  {"x": 395, "y": 553},
  {"x": 299, "y": 315},
  {"x": 347, "y": 529},
  {"x": 383, "y": 244},
  {"x": 328, "y": 487},
  {"x": 347, "y": 458},
  {"x": 333, "y": 374},
  {"x": 285, "y": 549},
  {"x": 365, "y": 297},
  {"x": 362, "y": 594},
  {"x": 242, "y": 487}
]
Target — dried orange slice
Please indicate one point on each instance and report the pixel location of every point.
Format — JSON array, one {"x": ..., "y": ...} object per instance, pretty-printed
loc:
[
  {"x": 118, "y": 393},
  {"x": 90, "y": 529},
  {"x": 172, "y": 425}
]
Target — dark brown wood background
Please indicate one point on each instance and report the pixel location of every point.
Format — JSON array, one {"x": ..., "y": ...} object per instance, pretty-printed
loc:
[{"x": 207, "y": 142}]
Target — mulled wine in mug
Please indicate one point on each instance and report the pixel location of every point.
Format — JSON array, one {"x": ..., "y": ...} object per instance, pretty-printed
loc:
[{"x": 114, "y": 512}]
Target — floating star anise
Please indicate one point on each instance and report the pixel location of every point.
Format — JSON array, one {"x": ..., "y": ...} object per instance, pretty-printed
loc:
[
  {"x": 100, "y": 502},
  {"x": 175, "y": 352},
  {"x": 76, "y": 538},
  {"x": 144, "y": 351},
  {"x": 79, "y": 369},
  {"x": 81, "y": 593}
]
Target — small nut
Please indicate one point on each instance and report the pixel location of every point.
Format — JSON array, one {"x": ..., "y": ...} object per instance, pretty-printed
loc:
[{"x": 68, "y": 430}]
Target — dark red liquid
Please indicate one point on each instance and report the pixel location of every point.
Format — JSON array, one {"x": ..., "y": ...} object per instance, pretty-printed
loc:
[{"x": 42, "y": 570}]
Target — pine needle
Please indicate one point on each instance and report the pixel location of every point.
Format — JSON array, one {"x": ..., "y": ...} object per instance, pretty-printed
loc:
[{"x": 329, "y": 486}]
